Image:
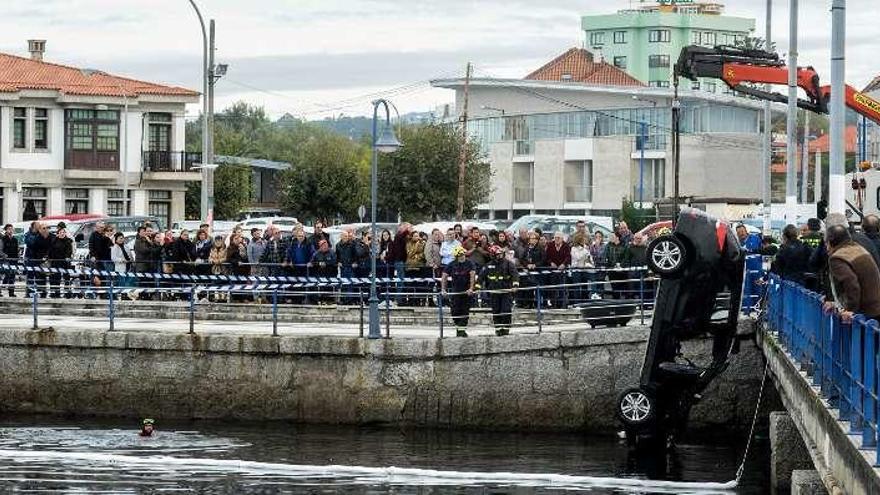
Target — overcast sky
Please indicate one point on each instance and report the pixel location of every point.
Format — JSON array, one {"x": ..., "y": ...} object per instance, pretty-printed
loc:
[{"x": 318, "y": 57}]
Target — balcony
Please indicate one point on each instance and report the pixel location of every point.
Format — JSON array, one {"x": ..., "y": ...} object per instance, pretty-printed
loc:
[
  {"x": 652, "y": 142},
  {"x": 91, "y": 160},
  {"x": 523, "y": 194},
  {"x": 171, "y": 161},
  {"x": 579, "y": 194}
]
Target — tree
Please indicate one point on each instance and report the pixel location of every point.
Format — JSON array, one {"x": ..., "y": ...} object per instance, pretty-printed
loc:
[
  {"x": 327, "y": 178},
  {"x": 421, "y": 179},
  {"x": 233, "y": 188}
]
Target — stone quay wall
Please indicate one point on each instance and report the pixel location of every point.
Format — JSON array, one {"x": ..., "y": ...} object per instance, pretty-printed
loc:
[{"x": 549, "y": 381}]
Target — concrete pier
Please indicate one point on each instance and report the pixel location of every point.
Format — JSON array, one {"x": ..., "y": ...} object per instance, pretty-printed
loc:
[{"x": 548, "y": 381}]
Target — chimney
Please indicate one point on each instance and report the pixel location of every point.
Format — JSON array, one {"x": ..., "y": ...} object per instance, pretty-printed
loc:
[{"x": 37, "y": 47}]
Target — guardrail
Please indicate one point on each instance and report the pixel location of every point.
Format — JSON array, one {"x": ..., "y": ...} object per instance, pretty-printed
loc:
[{"x": 839, "y": 358}]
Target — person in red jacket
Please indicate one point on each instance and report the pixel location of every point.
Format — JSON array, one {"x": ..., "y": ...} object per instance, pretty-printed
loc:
[{"x": 558, "y": 258}]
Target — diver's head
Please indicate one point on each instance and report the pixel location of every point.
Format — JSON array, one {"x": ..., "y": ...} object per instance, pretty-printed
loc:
[{"x": 147, "y": 428}]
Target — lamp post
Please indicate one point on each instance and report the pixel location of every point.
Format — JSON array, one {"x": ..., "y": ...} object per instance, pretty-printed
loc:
[
  {"x": 206, "y": 173},
  {"x": 385, "y": 143}
]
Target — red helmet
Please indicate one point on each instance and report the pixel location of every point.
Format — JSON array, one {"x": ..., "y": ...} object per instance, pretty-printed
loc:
[{"x": 495, "y": 250}]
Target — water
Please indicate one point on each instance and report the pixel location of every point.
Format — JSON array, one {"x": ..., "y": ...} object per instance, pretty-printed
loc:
[{"x": 42, "y": 454}]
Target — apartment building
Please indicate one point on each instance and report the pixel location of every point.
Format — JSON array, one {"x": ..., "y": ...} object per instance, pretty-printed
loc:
[{"x": 77, "y": 140}]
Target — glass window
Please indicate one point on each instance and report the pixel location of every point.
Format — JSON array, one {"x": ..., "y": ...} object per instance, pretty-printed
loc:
[
  {"x": 658, "y": 36},
  {"x": 41, "y": 128},
  {"x": 659, "y": 84},
  {"x": 76, "y": 201},
  {"x": 710, "y": 87},
  {"x": 160, "y": 132},
  {"x": 695, "y": 85},
  {"x": 578, "y": 180},
  {"x": 116, "y": 205},
  {"x": 160, "y": 205},
  {"x": 597, "y": 39},
  {"x": 658, "y": 61},
  {"x": 155, "y": 194},
  {"x": 19, "y": 128},
  {"x": 93, "y": 130},
  {"x": 33, "y": 203},
  {"x": 107, "y": 137},
  {"x": 620, "y": 37},
  {"x": 696, "y": 37},
  {"x": 709, "y": 38},
  {"x": 620, "y": 62}
]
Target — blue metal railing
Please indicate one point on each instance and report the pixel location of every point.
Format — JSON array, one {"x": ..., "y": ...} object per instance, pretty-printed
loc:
[{"x": 840, "y": 358}]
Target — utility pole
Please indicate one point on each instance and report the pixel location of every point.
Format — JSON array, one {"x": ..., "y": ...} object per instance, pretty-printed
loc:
[
  {"x": 805, "y": 161},
  {"x": 817, "y": 177},
  {"x": 768, "y": 134},
  {"x": 836, "y": 185},
  {"x": 208, "y": 158},
  {"x": 462, "y": 162},
  {"x": 791, "y": 127}
]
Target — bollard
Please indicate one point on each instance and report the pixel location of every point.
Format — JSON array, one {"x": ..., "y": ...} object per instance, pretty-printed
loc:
[
  {"x": 361, "y": 302},
  {"x": 540, "y": 303},
  {"x": 274, "y": 312},
  {"x": 34, "y": 296},
  {"x": 110, "y": 302},
  {"x": 192, "y": 309},
  {"x": 440, "y": 311}
]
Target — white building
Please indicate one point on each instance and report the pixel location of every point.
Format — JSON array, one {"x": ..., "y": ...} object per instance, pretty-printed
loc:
[
  {"x": 69, "y": 135},
  {"x": 566, "y": 140}
]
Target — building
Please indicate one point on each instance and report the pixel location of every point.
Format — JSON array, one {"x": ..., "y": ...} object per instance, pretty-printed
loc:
[
  {"x": 561, "y": 145},
  {"x": 72, "y": 138},
  {"x": 646, "y": 41}
]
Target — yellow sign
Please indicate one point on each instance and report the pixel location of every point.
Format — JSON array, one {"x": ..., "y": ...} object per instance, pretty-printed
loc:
[{"x": 867, "y": 101}]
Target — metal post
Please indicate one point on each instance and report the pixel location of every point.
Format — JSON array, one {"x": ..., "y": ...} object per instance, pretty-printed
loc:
[
  {"x": 818, "y": 193},
  {"x": 766, "y": 171},
  {"x": 361, "y": 303},
  {"x": 274, "y": 312},
  {"x": 791, "y": 122},
  {"x": 110, "y": 301},
  {"x": 34, "y": 298},
  {"x": 205, "y": 124},
  {"x": 642, "y": 296},
  {"x": 192, "y": 309},
  {"x": 540, "y": 311},
  {"x": 643, "y": 131},
  {"x": 836, "y": 185},
  {"x": 375, "y": 332},
  {"x": 208, "y": 158},
  {"x": 805, "y": 161},
  {"x": 387, "y": 312},
  {"x": 440, "y": 311}
]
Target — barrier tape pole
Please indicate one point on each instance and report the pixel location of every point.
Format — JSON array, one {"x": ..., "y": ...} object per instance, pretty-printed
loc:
[{"x": 192, "y": 309}]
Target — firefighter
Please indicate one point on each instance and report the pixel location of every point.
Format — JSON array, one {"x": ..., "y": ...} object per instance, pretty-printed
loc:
[
  {"x": 463, "y": 273},
  {"x": 500, "y": 278}
]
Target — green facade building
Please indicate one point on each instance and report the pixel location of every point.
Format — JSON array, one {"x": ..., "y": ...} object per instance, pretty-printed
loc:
[{"x": 646, "y": 41}]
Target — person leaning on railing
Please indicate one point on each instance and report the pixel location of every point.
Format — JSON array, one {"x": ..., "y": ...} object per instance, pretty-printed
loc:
[
  {"x": 855, "y": 278},
  {"x": 9, "y": 254},
  {"x": 60, "y": 254}
]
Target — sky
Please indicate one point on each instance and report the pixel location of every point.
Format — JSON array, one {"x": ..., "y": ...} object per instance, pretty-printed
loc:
[{"x": 317, "y": 58}]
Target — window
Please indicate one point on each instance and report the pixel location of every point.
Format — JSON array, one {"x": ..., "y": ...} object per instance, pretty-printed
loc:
[
  {"x": 652, "y": 180},
  {"x": 727, "y": 39},
  {"x": 659, "y": 84},
  {"x": 620, "y": 62},
  {"x": 578, "y": 180},
  {"x": 19, "y": 128},
  {"x": 117, "y": 204},
  {"x": 76, "y": 201},
  {"x": 658, "y": 36},
  {"x": 658, "y": 61},
  {"x": 93, "y": 130},
  {"x": 523, "y": 177},
  {"x": 160, "y": 205},
  {"x": 34, "y": 203},
  {"x": 710, "y": 87},
  {"x": 696, "y": 37},
  {"x": 160, "y": 132},
  {"x": 597, "y": 39},
  {"x": 739, "y": 39},
  {"x": 41, "y": 128},
  {"x": 695, "y": 85},
  {"x": 709, "y": 38},
  {"x": 619, "y": 37}
]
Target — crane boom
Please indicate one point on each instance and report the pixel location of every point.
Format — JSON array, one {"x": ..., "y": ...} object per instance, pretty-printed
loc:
[{"x": 738, "y": 67}]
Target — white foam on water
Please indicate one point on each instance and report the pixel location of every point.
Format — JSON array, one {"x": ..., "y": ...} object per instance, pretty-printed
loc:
[{"x": 379, "y": 475}]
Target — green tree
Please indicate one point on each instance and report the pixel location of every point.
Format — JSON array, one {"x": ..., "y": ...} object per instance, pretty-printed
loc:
[
  {"x": 328, "y": 176},
  {"x": 421, "y": 179},
  {"x": 233, "y": 188}
]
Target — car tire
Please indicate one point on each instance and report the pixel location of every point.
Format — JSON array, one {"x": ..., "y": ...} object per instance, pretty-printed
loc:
[
  {"x": 667, "y": 256},
  {"x": 636, "y": 409}
]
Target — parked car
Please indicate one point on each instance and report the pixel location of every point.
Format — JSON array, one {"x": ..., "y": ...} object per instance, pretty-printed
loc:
[
  {"x": 428, "y": 227},
  {"x": 284, "y": 223},
  {"x": 560, "y": 223}
]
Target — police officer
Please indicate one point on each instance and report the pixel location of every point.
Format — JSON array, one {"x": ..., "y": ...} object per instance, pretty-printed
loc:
[
  {"x": 463, "y": 273},
  {"x": 813, "y": 238},
  {"x": 500, "y": 278}
]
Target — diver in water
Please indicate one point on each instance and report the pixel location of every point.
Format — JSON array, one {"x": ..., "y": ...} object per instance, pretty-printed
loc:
[{"x": 147, "y": 428}]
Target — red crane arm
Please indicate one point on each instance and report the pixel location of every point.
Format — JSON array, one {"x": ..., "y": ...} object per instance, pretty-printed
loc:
[
  {"x": 734, "y": 74},
  {"x": 859, "y": 102}
]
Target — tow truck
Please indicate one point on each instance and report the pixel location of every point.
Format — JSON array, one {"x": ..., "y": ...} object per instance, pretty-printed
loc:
[{"x": 701, "y": 257}]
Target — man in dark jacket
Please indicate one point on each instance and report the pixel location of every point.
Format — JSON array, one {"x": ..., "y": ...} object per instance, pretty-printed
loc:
[
  {"x": 813, "y": 238},
  {"x": 347, "y": 258},
  {"x": 558, "y": 257},
  {"x": 9, "y": 254},
  {"x": 142, "y": 250},
  {"x": 183, "y": 252},
  {"x": 792, "y": 260},
  {"x": 60, "y": 254},
  {"x": 500, "y": 278},
  {"x": 855, "y": 278},
  {"x": 37, "y": 241},
  {"x": 871, "y": 227}
]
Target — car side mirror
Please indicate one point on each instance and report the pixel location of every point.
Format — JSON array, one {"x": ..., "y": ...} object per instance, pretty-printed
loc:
[{"x": 79, "y": 237}]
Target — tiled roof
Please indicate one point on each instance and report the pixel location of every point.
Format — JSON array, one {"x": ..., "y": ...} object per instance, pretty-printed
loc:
[
  {"x": 17, "y": 73},
  {"x": 820, "y": 144},
  {"x": 577, "y": 65}
]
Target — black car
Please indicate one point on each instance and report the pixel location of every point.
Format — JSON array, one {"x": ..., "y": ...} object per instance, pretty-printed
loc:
[{"x": 698, "y": 260}]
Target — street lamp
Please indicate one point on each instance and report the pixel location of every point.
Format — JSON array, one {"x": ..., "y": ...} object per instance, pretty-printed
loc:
[
  {"x": 205, "y": 128},
  {"x": 385, "y": 143}
]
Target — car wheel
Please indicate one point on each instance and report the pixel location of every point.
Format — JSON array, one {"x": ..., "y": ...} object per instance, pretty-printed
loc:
[
  {"x": 636, "y": 408},
  {"x": 667, "y": 256}
]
